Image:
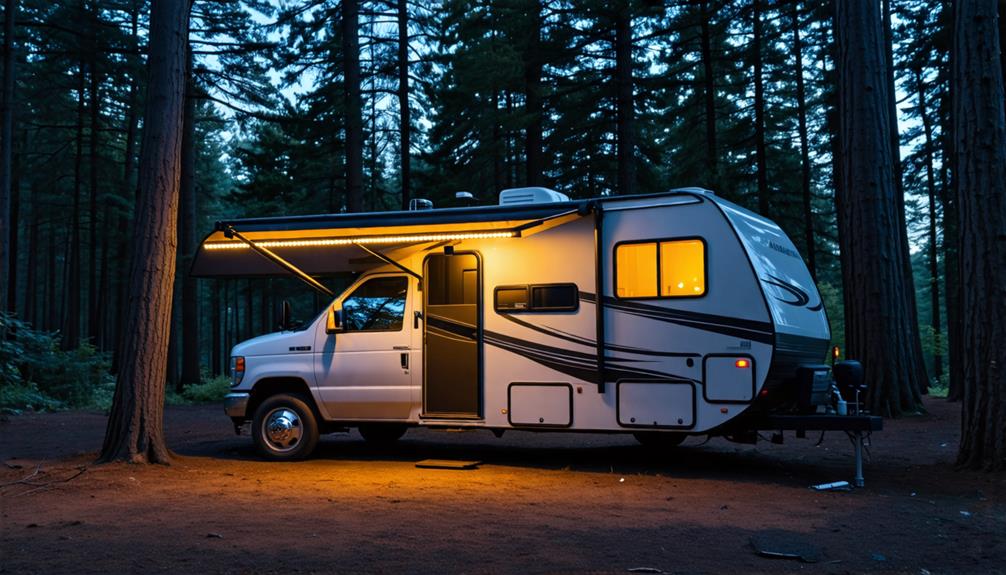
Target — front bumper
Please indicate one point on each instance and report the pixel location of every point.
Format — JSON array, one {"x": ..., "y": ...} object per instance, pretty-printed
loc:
[{"x": 236, "y": 405}]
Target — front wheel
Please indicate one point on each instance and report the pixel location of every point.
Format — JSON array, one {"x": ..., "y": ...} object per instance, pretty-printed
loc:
[
  {"x": 284, "y": 428},
  {"x": 659, "y": 439}
]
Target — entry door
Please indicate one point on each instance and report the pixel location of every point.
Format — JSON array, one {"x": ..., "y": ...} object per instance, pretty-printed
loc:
[
  {"x": 451, "y": 336},
  {"x": 363, "y": 371}
]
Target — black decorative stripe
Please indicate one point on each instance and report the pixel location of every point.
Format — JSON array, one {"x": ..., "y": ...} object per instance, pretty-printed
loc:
[
  {"x": 456, "y": 328},
  {"x": 557, "y": 333},
  {"x": 576, "y": 364},
  {"x": 759, "y": 331}
]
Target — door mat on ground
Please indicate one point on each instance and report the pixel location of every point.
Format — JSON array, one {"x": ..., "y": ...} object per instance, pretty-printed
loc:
[{"x": 447, "y": 464}]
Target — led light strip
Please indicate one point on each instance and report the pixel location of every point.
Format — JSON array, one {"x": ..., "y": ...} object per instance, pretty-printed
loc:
[{"x": 213, "y": 246}]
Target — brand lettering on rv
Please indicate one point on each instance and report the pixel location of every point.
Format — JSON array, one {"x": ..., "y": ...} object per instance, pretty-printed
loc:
[{"x": 783, "y": 249}]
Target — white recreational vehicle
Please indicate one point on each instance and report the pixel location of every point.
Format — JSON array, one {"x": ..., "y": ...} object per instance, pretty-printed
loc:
[{"x": 661, "y": 315}]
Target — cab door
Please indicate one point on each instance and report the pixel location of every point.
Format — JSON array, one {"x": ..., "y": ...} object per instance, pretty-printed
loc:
[{"x": 363, "y": 371}]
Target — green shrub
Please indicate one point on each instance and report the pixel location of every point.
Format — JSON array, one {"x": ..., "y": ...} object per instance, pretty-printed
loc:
[
  {"x": 37, "y": 373},
  {"x": 209, "y": 392}
]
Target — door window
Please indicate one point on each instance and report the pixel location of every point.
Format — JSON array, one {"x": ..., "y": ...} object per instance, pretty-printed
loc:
[{"x": 378, "y": 304}]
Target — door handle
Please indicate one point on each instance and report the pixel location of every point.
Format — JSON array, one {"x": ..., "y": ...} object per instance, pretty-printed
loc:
[
  {"x": 405, "y": 361},
  {"x": 416, "y": 316}
]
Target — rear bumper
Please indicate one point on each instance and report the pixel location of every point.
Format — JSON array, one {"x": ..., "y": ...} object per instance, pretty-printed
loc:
[{"x": 236, "y": 405}]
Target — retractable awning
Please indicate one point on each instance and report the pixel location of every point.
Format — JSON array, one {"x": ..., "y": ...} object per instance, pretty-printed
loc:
[{"x": 328, "y": 244}]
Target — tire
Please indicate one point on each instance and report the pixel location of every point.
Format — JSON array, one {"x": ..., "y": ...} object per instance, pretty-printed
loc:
[
  {"x": 659, "y": 439},
  {"x": 383, "y": 432},
  {"x": 285, "y": 428}
]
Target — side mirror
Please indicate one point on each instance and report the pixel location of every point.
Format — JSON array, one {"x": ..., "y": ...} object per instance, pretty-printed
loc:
[
  {"x": 284, "y": 316},
  {"x": 333, "y": 322}
]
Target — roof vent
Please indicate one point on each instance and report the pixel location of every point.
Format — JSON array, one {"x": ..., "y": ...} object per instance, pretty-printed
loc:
[
  {"x": 420, "y": 204},
  {"x": 516, "y": 196}
]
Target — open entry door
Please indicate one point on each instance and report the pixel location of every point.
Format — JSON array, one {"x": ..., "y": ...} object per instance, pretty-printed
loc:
[{"x": 452, "y": 336}]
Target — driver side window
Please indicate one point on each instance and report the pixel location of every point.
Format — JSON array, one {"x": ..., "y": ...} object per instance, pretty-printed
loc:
[{"x": 376, "y": 305}]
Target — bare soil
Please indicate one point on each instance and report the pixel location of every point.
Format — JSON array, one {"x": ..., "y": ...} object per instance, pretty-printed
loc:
[{"x": 539, "y": 503}]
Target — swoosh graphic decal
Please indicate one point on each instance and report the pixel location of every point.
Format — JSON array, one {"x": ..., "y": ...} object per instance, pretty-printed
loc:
[
  {"x": 557, "y": 333},
  {"x": 801, "y": 296},
  {"x": 762, "y": 332}
]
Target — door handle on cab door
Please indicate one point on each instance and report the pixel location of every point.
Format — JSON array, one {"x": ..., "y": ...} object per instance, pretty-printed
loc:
[{"x": 405, "y": 361}]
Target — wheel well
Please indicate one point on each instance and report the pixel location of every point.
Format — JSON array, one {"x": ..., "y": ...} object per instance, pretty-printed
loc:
[{"x": 276, "y": 385}]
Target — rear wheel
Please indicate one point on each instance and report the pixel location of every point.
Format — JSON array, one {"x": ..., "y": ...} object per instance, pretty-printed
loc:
[
  {"x": 284, "y": 428},
  {"x": 383, "y": 432},
  {"x": 659, "y": 439}
]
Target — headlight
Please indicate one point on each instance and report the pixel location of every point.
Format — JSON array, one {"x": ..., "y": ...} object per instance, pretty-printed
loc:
[{"x": 237, "y": 370}]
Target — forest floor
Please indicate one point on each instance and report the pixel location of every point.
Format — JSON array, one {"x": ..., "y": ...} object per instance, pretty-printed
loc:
[{"x": 539, "y": 503}]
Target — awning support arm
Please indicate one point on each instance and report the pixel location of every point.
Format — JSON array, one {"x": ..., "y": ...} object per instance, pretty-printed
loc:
[
  {"x": 230, "y": 232},
  {"x": 388, "y": 260}
]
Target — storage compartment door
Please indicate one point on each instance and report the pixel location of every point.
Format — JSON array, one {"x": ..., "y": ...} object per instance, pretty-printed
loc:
[
  {"x": 656, "y": 405},
  {"x": 540, "y": 404}
]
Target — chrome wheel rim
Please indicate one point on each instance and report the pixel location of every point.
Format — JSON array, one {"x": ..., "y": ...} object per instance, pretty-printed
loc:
[{"x": 282, "y": 429}]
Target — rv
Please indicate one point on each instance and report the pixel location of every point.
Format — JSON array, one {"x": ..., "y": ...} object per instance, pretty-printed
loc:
[{"x": 661, "y": 315}]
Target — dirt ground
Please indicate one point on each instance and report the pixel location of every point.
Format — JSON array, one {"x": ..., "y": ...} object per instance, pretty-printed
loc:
[{"x": 539, "y": 503}]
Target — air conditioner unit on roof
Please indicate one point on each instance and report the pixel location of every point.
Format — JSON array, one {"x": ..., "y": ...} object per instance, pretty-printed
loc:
[{"x": 516, "y": 196}]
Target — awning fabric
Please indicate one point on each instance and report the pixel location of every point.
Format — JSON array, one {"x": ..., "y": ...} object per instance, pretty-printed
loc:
[{"x": 326, "y": 244}]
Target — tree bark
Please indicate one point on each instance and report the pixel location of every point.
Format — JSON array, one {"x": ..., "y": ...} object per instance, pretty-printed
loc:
[
  {"x": 761, "y": 164},
  {"x": 898, "y": 173},
  {"x": 934, "y": 270},
  {"x": 709, "y": 93},
  {"x": 801, "y": 107},
  {"x": 71, "y": 314},
  {"x": 353, "y": 101},
  {"x": 92, "y": 236},
  {"x": 187, "y": 236},
  {"x": 216, "y": 359},
  {"x": 129, "y": 190},
  {"x": 626, "y": 115},
  {"x": 404, "y": 111},
  {"x": 533, "y": 102},
  {"x": 879, "y": 327},
  {"x": 979, "y": 163},
  {"x": 135, "y": 426},
  {"x": 7, "y": 143}
]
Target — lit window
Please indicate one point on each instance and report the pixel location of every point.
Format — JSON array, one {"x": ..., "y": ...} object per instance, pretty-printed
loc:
[
  {"x": 676, "y": 269},
  {"x": 636, "y": 270},
  {"x": 682, "y": 268}
]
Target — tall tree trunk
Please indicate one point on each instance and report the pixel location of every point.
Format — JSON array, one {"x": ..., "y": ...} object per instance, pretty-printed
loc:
[
  {"x": 934, "y": 270},
  {"x": 12, "y": 242},
  {"x": 801, "y": 106},
  {"x": 31, "y": 271},
  {"x": 216, "y": 359},
  {"x": 879, "y": 327},
  {"x": 761, "y": 162},
  {"x": 49, "y": 309},
  {"x": 7, "y": 143},
  {"x": 979, "y": 162},
  {"x": 951, "y": 261},
  {"x": 129, "y": 191},
  {"x": 897, "y": 169},
  {"x": 92, "y": 236},
  {"x": 625, "y": 109},
  {"x": 71, "y": 313},
  {"x": 136, "y": 424},
  {"x": 709, "y": 94},
  {"x": 533, "y": 102},
  {"x": 404, "y": 111},
  {"x": 187, "y": 236},
  {"x": 353, "y": 99}
]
